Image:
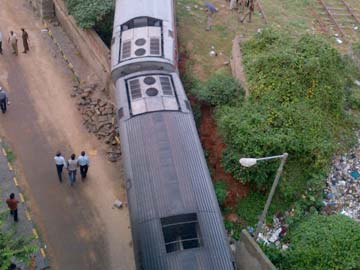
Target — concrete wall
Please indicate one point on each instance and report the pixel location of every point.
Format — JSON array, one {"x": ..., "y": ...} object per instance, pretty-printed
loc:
[
  {"x": 249, "y": 256},
  {"x": 89, "y": 44},
  {"x": 45, "y": 8}
]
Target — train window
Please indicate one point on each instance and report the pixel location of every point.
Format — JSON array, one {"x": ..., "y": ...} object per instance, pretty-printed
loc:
[
  {"x": 181, "y": 232},
  {"x": 140, "y": 22}
]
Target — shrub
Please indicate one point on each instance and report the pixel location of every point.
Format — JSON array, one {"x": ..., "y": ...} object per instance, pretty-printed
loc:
[
  {"x": 322, "y": 243},
  {"x": 13, "y": 246},
  {"x": 254, "y": 131},
  {"x": 88, "y": 12},
  {"x": 296, "y": 105},
  {"x": 250, "y": 208},
  {"x": 221, "y": 191},
  {"x": 220, "y": 89}
]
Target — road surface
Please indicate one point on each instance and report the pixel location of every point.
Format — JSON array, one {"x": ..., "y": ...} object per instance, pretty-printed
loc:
[{"x": 78, "y": 224}]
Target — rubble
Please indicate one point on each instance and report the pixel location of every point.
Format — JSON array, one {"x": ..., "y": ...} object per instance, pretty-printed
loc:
[
  {"x": 98, "y": 115},
  {"x": 342, "y": 193}
]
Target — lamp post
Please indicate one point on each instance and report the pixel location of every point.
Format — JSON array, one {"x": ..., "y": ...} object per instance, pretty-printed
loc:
[{"x": 248, "y": 162}]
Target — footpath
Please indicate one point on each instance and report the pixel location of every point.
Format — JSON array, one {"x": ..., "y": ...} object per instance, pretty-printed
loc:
[{"x": 25, "y": 226}]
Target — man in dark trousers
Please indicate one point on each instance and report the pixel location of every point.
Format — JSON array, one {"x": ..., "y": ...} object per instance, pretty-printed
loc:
[
  {"x": 25, "y": 39},
  {"x": 3, "y": 99},
  {"x": 60, "y": 164},
  {"x": 1, "y": 42},
  {"x": 251, "y": 6},
  {"x": 84, "y": 163},
  {"x": 12, "y": 204}
]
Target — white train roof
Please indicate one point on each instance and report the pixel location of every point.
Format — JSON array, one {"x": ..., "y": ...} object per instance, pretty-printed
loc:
[{"x": 130, "y": 9}]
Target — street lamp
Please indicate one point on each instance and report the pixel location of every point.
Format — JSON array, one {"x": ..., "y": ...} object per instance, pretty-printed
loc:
[{"x": 248, "y": 162}]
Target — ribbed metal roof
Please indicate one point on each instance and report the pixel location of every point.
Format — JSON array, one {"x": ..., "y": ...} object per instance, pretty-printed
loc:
[{"x": 169, "y": 176}]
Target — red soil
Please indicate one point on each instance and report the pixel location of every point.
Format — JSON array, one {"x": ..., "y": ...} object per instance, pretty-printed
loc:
[{"x": 214, "y": 146}]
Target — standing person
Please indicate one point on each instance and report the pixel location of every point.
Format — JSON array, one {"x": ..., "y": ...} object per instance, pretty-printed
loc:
[
  {"x": 0, "y": 42},
  {"x": 60, "y": 164},
  {"x": 3, "y": 99},
  {"x": 12, "y": 204},
  {"x": 250, "y": 12},
  {"x": 84, "y": 163},
  {"x": 25, "y": 39},
  {"x": 13, "y": 41},
  {"x": 72, "y": 166}
]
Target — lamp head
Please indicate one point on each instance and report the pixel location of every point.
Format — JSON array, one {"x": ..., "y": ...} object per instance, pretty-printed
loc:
[{"x": 247, "y": 162}]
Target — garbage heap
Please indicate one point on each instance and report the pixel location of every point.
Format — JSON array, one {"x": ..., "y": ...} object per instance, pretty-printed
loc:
[{"x": 342, "y": 193}]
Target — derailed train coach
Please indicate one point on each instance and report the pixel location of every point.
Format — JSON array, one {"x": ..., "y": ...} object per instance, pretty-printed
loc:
[
  {"x": 175, "y": 218},
  {"x": 144, "y": 37}
]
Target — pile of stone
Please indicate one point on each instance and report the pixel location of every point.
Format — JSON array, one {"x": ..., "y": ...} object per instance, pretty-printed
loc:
[
  {"x": 343, "y": 185},
  {"x": 98, "y": 116}
]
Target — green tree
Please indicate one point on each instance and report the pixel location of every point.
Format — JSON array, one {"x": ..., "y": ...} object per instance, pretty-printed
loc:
[
  {"x": 323, "y": 243},
  {"x": 298, "y": 94},
  {"x": 12, "y": 246},
  {"x": 88, "y": 13}
]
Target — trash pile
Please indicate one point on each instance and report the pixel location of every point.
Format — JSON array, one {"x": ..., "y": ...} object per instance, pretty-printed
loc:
[
  {"x": 98, "y": 117},
  {"x": 274, "y": 234},
  {"x": 343, "y": 185}
]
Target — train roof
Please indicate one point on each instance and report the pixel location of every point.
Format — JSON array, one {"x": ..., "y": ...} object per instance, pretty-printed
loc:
[
  {"x": 168, "y": 184},
  {"x": 130, "y": 9}
]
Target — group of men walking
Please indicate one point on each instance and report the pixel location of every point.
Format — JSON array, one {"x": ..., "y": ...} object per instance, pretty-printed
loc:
[
  {"x": 71, "y": 165},
  {"x": 13, "y": 41}
]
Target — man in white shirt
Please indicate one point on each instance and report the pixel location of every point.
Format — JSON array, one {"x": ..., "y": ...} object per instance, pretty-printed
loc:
[
  {"x": 84, "y": 163},
  {"x": 60, "y": 164},
  {"x": 0, "y": 42},
  {"x": 13, "y": 42}
]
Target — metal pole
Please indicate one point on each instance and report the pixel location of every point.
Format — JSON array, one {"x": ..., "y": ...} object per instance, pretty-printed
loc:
[{"x": 271, "y": 194}]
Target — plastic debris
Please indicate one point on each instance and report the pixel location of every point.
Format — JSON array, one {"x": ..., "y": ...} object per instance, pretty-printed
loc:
[
  {"x": 342, "y": 193},
  {"x": 118, "y": 204},
  {"x": 339, "y": 41}
]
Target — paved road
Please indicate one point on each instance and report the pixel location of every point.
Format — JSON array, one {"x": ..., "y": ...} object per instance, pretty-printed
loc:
[{"x": 78, "y": 224}]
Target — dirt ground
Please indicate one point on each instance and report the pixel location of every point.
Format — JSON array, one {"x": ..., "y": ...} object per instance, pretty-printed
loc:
[
  {"x": 79, "y": 225},
  {"x": 214, "y": 146}
]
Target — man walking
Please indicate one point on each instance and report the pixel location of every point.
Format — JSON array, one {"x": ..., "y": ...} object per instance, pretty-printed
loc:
[
  {"x": 0, "y": 42},
  {"x": 12, "y": 204},
  {"x": 25, "y": 39},
  {"x": 3, "y": 99},
  {"x": 60, "y": 164},
  {"x": 72, "y": 166},
  {"x": 84, "y": 163},
  {"x": 13, "y": 41}
]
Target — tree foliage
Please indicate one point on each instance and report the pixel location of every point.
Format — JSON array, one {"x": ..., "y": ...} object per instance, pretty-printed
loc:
[
  {"x": 322, "y": 243},
  {"x": 221, "y": 191},
  {"x": 88, "y": 13},
  {"x": 296, "y": 105},
  {"x": 12, "y": 246},
  {"x": 220, "y": 89}
]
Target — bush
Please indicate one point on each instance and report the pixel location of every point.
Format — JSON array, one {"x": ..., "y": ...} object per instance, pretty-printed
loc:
[
  {"x": 254, "y": 131},
  {"x": 322, "y": 243},
  {"x": 250, "y": 208},
  {"x": 220, "y": 89},
  {"x": 297, "y": 105},
  {"x": 13, "y": 246},
  {"x": 88, "y": 12},
  {"x": 221, "y": 191}
]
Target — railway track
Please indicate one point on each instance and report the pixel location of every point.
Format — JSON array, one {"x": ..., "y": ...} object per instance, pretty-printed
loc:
[{"x": 342, "y": 17}]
